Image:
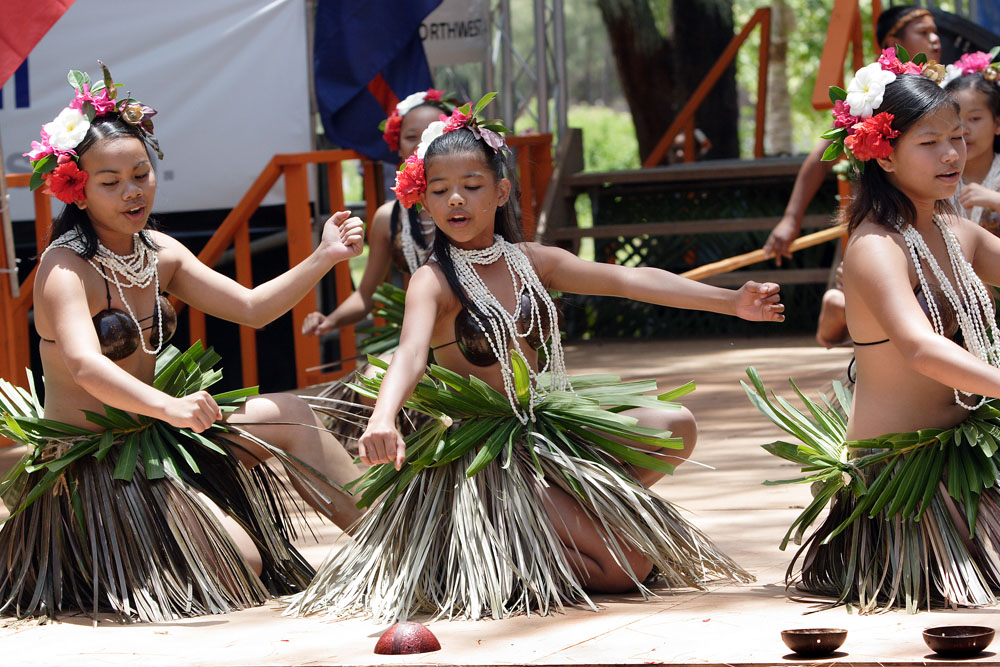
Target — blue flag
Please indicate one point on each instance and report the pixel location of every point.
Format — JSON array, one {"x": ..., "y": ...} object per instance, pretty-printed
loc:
[{"x": 368, "y": 56}]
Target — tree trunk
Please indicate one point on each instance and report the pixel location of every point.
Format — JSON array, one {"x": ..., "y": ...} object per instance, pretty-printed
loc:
[
  {"x": 778, "y": 131},
  {"x": 659, "y": 73}
]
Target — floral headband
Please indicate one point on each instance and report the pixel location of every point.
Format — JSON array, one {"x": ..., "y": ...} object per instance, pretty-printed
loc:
[
  {"x": 975, "y": 63},
  {"x": 392, "y": 125},
  {"x": 54, "y": 159},
  {"x": 858, "y": 131},
  {"x": 410, "y": 179}
]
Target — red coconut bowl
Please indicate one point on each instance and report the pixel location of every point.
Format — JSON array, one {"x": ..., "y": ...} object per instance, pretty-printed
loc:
[{"x": 403, "y": 638}]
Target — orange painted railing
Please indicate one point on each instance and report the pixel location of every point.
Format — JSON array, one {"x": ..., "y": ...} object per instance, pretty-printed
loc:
[
  {"x": 534, "y": 163},
  {"x": 844, "y": 31},
  {"x": 685, "y": 119}
]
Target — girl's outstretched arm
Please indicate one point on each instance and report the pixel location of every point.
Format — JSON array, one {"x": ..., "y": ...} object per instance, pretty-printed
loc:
[
  {"x": 564, "y": 271},
  {"x": 381, "y": 442},
  {"x": 211, "y": 292}
]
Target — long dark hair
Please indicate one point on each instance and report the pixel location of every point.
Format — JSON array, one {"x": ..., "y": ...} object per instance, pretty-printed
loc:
[
  {"x": 909, "y": 98},
  {"x": 505, "y": 223},
  {"x": 109, "y": 126},
  {"x": 990, "y": 89}
]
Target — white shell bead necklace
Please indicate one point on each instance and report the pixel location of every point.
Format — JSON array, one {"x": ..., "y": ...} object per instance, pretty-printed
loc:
[
  {"x": 501, "y": 328},
  {"x": 137, "y": 269},
  {"x": 991, "y": 182},
  {"x": 969, "y": 299},
  {"x": 415, "y": 255}
]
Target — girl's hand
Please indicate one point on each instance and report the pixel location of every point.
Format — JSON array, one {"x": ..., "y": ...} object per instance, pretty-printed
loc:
[
  {"x": 975, "y": 194},
  {"x": 316, "y": 323},
  {"x": 343, "y": 236},
  {"x": 195, "y": 411},
  {"x": 781, "y": 237},
  {"x": 760, "y": 302},
  {"x": 382, "y": 443}
]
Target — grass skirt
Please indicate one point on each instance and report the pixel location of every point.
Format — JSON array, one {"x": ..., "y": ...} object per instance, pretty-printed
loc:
[
  {"x": 460, "y": 530},
  {"x": 113, "y": 521},
  {"x": 914, "y": 518}
]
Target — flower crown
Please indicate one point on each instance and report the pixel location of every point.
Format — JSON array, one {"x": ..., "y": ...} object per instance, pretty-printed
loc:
[
  {"x": 54, "y": 159},
  {"x": 393, "y": 124},
  {"x": 974, "y": 63},
  {"x": 858, "y": 131},
  {"x": 410, "y": 179}
]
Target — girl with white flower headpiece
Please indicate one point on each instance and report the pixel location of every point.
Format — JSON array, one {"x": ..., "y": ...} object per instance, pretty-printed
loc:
[
  {"x": 912, "y": 473},
  {"x": 528, "y": 488},
  {"x": 115, "y": 506},
  {"x": 973, "y": 82}
]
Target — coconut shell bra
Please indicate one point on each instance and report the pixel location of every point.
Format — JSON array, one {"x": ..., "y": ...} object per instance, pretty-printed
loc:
[
  {"x": 475, "y": 347},
  {"x": 119, "y": 335}
]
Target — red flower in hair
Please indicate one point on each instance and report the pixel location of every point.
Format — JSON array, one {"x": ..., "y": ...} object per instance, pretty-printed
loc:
[
  {"x": 455, "y": 121},
  {"x": 433, "y": 95},
  {"x": 393, "y": 125},
  {"x": 66, "y": 181},
  {"x": 410, "y": 181},
  {"x": 871, "y": 137}
]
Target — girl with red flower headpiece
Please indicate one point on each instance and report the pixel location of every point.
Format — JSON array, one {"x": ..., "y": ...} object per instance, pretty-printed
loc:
[
  {"x": 911, "y": 475},
  {"x": 140, "y": 493},
  {"x": 525, "y": 489}
]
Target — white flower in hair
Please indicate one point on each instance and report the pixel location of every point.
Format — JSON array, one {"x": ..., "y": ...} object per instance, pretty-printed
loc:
[
  {"x": 433, "y": 131},
  {"x": 865, "y": 91},
  {"x": 68, "y": 129},
  {"x": 951, "y": 72},
  {"x": 411, "y": 101}
]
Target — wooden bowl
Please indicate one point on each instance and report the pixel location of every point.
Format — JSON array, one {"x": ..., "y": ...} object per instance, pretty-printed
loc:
[
  {"x": 812, "y": 642},
  {"x": 958, "y": 641},
  {"x": 403, "y": 638}
]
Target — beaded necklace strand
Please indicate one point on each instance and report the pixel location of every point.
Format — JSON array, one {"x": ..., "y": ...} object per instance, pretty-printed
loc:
[
  {"x": 137, "y": 269},
  {"x": 501, "y": 331},
  {"x": 414, "y": 255},
  {"x": 969, "y": 299}
]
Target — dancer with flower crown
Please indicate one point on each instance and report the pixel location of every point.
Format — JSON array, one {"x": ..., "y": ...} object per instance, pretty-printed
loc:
[
  {"x": 528, "y": 488},
  {"x": 116, "y": 505},
  {"x": 974, "y": 82},
  {"x": 911, "y": 475}
]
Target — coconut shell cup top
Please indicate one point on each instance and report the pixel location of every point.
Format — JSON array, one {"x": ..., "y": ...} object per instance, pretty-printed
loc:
[
  {"x": 814, "y": 641},
  {"x": 958, "y": 641},
  {"x": 404, "y": 638}
]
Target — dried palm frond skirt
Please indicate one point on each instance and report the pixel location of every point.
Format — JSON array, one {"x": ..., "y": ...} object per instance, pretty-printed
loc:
[
  {"x": 460, "y": 529},
  {"x": 114, "y": 521},
  {"x": 914, "y": 518}
]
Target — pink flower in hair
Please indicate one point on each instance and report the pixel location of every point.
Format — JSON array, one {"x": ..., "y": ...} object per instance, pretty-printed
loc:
[
  {"x": 974, "y": 62},
  {"x": 842, "y": 115},
  {"x": 912, "y": 68},
  {"x": 890, "y": 62},
  {"x": 40, "y": 149},
  {"x": 434, "y": 95},
  {"x": 455, "y": 121},
  {"x": 102, "y": 104}
]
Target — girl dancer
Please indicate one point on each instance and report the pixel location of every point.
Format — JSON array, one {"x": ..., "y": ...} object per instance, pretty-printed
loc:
[
  {"x": 915, "y": 514},
  {"x": 528, "y": 488},
  {"x": 109, "y": 508}
]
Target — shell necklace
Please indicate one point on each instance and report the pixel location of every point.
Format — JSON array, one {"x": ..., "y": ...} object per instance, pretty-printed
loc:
[
  {"x": 415, "y": 255},
  {"x": 137, "y": 269},
  {"x": 969, "y": 298},
  {"x": 501, "y": 328},
  {"x": 991, "y": 182}
]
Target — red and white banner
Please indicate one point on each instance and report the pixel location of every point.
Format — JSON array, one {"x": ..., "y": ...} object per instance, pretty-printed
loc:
[{"x": 229, "y": 79}]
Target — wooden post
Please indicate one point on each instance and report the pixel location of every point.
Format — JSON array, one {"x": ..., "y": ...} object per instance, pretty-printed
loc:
[
  {"x": 764, "y": 59},
  {"x": 298, "y": 219},
  {"x": 343, "y": 285},
  {"x": 244, "y": 276}
]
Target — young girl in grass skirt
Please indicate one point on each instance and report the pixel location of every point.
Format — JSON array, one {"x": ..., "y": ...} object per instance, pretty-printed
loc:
[
  {"x": 398, "y": 238},
  {"x": 914, "y": 518},
  {"x": 528, "y": 489},
  {"x": 140, "y": 493}
]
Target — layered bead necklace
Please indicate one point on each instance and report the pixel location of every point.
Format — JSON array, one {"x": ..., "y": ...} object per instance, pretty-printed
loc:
[
  {"x": 991, "y": 182},
  {"x": 137, "y": 269},
  {"x": 969, "y": 298},
  {"x": 501, "y": 331},
  {"x": 415, "y": 255}
]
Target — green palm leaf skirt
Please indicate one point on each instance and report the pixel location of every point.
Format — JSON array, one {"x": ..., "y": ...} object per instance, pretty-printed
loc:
[
  {"x": 913, "y": 520},
  {"x": 460, "y": 530},
  {"x": 114, "y": 521}
]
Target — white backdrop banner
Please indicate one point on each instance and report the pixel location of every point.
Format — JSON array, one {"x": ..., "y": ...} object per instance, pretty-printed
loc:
[
  {"x": 456, "y": 32},
  {"x": 229, "y": 79}
]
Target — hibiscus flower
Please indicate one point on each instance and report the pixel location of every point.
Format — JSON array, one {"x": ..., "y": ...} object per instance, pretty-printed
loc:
[
  {"x": 871, "y": 136},
  {"x": 66, "y": 181},
  {"x": 410, "y": 181}
]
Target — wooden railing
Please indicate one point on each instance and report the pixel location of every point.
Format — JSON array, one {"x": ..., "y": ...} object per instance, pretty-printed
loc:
[
  {"x": 844, "y": 31},
  {"x": 685, "y": 119},
  {"x": 534, "y": 163}
]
